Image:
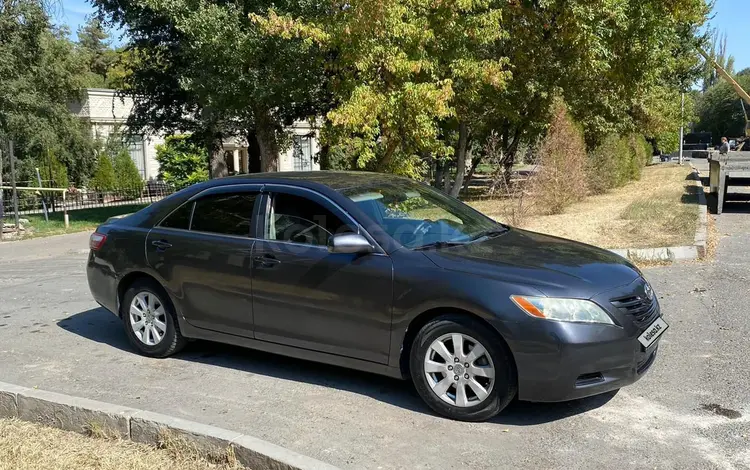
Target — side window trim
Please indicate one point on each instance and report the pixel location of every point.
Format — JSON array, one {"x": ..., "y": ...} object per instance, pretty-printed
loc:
[{"x": 317, "y": 197}]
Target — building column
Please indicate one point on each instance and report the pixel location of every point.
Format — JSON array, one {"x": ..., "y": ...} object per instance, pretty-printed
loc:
[{"x": 236, "y": 156}]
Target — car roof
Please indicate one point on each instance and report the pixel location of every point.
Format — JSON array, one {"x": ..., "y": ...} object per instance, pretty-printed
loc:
[{"x": 336, "y": 180}]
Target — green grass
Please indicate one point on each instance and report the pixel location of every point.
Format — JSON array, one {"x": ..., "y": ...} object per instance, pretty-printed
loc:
[{"x": 80, "y": 220}]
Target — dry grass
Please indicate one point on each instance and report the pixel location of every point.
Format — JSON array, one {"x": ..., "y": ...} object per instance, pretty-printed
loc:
[
  {"x": 659, "y": 210},
  {"x": 31, "y": 446}
]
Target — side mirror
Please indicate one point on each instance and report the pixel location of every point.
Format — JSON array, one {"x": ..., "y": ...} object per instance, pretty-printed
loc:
[{"x": 351, "y": 243}]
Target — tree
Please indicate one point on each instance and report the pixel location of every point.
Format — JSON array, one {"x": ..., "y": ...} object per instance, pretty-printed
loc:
[
  {"x": 181, "y": 162},
  {"x": 719, "y": 110},
  {"x": 397, "y": 68},
  {"x": 126, "y": 173},
  {"x": 92, "y": 43},
  {"x": 407, "y": 77},
  {"x": 57, "y": 171},
  {"x": 718, "y": 52},
  {"x": 40, "y": 73},
  {"x": 203, "y": 68},
  {"x": 104, "y": 174}
]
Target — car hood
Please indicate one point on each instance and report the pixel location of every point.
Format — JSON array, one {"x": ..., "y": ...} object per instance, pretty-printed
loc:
[{"x": 554, "y": 266}]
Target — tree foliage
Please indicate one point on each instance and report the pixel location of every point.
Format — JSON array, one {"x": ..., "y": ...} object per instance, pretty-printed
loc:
[
  {"x": 126, "y": 173},
  {"x": 718, "y": 52},
  {"x": 40, "y": 74},
  {"x": 181, "y": 161},
  {"x": 406, "y": 73},
  {"x": 104, "y": 174},
  {"x": 399, "y": 69},
  {"x": 407, "y": 86},
  {"x": 719, "y": 110},
  {"x": 203, "y": 68}
]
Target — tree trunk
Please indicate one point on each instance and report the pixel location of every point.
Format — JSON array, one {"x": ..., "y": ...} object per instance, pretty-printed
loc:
[
  {"x": 217, "y": 165},
  {"x": 267, "y": 141},
  {"x": 269, "y": 152},
  {"x": 463, "y": 137},
  {"x": 439, "y": 172},
  {"x": 510, "y": 150},
  {"x": 474, "y": 164},
  {"x": 385, "y": 162}
]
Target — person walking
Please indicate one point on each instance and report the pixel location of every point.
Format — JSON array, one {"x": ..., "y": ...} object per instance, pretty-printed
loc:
[{"x": 724, "y": 149}]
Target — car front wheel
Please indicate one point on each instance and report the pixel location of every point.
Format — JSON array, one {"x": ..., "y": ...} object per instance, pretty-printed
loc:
[{"x": 461, "y": 369}]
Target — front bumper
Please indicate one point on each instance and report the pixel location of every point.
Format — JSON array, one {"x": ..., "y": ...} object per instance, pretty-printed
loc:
[{"x": 558, "y": 361}]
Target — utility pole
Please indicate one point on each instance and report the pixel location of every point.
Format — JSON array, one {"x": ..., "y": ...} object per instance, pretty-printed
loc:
[
  {"x": 13, "y": 184},
  {"x": 682, "y": 125}
]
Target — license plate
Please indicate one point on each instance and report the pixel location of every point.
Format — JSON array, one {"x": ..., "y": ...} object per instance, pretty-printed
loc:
[{"x": 653, "y": 332}]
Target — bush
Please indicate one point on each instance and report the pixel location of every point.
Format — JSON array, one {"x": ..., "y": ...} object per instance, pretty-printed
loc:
[
  {"x": 642, "y": 154},
  {"x": 561, "y": 178},
  {"x": 181, "y": 162},
  {"x": 104, "y": 174},
  {"x": 59, "y": 173},
  {"x": 126, "y": 173},
  {"x": 617, "y": 161},
  {"x": 603, "y": 165}
]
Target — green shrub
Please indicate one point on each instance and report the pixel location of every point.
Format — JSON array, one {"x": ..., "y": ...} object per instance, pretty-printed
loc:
[
  {"x": 603, "y": 165},
  {"x": 104, "y": 174},
  {"x": 181, "y": 162},
  {"x": 561, "y": 178},
  {"x": 59, "y": 173},
  {"x": 640, "y": 156},
  {"x": 617, "y": 161},
  {"x": 127, "y": 175}
]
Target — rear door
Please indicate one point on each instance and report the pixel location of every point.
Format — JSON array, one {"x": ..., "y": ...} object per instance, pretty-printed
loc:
[
  {"x": 203, "y": 251},
  {"x": 306, "y": 297}
]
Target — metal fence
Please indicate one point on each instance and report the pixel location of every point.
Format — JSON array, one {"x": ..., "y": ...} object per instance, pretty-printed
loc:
[{"x": 34, "y": 200}]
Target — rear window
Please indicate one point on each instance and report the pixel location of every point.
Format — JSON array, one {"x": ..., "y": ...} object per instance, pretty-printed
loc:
[{"x": 226, "y": 214}]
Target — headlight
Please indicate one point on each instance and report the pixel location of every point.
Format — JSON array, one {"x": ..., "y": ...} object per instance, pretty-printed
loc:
[{"x": 572, "y": 310}]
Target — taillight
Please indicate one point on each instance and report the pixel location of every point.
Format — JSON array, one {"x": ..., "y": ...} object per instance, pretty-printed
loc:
[{"x": 96, "y": 241}]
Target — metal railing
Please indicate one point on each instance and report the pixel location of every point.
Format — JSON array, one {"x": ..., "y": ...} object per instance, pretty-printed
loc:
[{"x": 37, "y": 200}]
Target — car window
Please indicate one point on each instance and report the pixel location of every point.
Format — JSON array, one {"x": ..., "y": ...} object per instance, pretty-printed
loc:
[
  {"x": 301, "y": 220},
  {"x": 226, "y": 214},
  {"x": 180, "y": 218}
]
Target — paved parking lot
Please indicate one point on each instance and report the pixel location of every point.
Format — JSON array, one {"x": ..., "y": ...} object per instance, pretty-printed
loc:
[{"x": 692, "y": 410}]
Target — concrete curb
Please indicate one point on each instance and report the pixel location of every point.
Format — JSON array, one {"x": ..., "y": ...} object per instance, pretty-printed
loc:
[
  {"x": 82, "y": 415},
  {"x": 677, "y": 253}
]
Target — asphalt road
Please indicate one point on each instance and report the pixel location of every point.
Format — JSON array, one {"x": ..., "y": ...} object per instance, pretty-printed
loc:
[{"x": 692, "y": 410}]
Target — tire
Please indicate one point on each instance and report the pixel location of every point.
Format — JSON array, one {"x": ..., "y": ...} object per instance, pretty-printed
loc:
[
  {"x": 500, "y": 390},
  {"x": 168, "y": 339}
]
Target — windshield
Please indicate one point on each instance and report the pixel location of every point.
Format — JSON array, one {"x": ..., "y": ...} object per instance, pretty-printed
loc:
[{"x": 417, "y": 215}]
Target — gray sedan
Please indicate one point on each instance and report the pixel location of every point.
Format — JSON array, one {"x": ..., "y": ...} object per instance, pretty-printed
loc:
[{"x": 382, "y": 274}]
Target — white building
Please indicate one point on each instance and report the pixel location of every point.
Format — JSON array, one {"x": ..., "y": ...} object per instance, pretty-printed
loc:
[{"x": 106, "y": 112}]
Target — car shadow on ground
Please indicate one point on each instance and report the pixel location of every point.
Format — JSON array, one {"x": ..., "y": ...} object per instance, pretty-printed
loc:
[{"x": 101, "y": 326}]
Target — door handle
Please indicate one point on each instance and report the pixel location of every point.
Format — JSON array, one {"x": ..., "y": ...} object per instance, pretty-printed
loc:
[
  {"x": 161, "y": 245},
  {"x": 266, "y": 261}
]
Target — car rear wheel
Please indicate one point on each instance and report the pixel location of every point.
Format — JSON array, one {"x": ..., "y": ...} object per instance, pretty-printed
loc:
[
  {"x": 149, "y": 320},
  {"x": 461, "y": 369}
]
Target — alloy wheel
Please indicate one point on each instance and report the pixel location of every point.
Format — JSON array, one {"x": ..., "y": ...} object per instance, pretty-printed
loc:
[
  {"x": 148, "y": 318},
  {"x": 459, "y": 370}
]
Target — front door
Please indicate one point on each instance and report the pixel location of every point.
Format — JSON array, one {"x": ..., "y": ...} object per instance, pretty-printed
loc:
[
  {"x": 306, "y": 297},
  {"x": 203, "y": 251}
]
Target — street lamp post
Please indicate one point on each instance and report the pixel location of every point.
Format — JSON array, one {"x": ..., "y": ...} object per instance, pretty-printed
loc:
[{"x": 682, "y": 127}]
